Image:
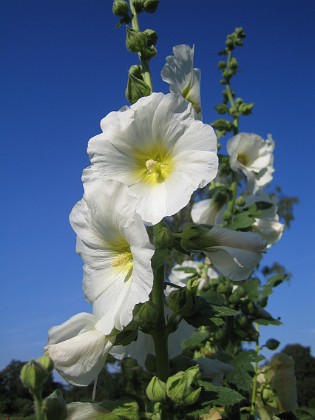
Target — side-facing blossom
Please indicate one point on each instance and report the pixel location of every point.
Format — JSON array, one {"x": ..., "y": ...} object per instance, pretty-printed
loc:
[
  {"x": 158, "y": 149},
  {"x": 79, "y": 348},
  {"x": 253, "y": 156},
  {"x": 268, "y": 225},
  {"x": 115, "y": 249},
  {"x": 235, "y": 254},
  {"x": 181, "y": 75}
]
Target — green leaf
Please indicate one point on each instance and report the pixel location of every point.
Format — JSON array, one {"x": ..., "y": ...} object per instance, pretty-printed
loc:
[
  {"x": 196, "y": 340},
  {"x": 242, "y": 374},
  {"x": 214, "y": 298},
  {"x": 251, "y": 287},
  {"x": 241, "y": 221},
  {"x": 217, "y": 321},
  {"x": 222, "y": 396},
  {"x": 122, "y": 409},
  {"x": 272, "y": 282},
  {"x": 225, "y": 310}
]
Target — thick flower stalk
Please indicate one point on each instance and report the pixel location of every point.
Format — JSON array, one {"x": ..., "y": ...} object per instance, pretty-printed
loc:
[
  {"x": 116, "y": 252},
  {"x": 253, "y": 156},
  {"x": 182, "y": 77},
  {"x": 79, "y": 348},
  {"x": 159, "y": 150}
]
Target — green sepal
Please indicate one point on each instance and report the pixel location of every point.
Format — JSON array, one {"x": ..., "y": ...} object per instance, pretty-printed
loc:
[
  {"x": 124, "y": 408},
  {"x": 156, "y": 390},
  {"x": 33, "y": 375},
  {"x": 179, "y": 389},
  {"x": 54, "y": 406},
  {"x": 136, "y": 86}
]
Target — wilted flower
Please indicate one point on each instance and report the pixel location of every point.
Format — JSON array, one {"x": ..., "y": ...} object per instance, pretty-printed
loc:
[
  {"x": 116, "y": 252},
  {"x": 79, "y": 348},
  {"x": 159, "y": 150},
  {"x": 181, "y": 75},
  {"x": 254, "y": 157},
  {"x": 235, "y": 254}
]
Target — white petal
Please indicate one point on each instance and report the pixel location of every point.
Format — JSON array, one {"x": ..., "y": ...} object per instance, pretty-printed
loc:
[
  {"x": 235, "y": 239},
  {"x": 204, "y": 211},
  {"x": 76, "y": 325},
  {"x": 85, "y": 411}
]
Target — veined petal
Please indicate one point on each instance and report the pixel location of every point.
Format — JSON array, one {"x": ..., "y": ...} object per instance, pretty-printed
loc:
[
  {"x": 158, "y": 141},
  {"x": 84, "y": 411},
  {"x": 116, "y": 252},
  {"x": 234, "y": 239},
  {"x": 78, "y": 356},
  {"x": 236, "y": 264}
]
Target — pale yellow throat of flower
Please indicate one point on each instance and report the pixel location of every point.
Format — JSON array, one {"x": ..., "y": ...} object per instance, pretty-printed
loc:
[
  {"x": 123, "y": 262},
  {"x": 242, "y": 158}
]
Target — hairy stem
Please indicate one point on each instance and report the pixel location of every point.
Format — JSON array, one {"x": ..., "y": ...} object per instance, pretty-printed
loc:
[
  {"x": 146, "y": 74},
  {"x": 254, "y": 387}
]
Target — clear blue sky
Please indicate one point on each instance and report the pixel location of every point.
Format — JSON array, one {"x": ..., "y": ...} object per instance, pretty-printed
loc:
[{"x": 64, "y": 66}]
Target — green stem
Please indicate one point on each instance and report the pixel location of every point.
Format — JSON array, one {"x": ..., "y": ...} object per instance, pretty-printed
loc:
[
  {"x": 230, "y": 97},
  {"x": 159, "y": 333},
  {"x": 146, "y": 74},
  {"x": 38, "y": 408},
  {"x": 254, "y": 388}
]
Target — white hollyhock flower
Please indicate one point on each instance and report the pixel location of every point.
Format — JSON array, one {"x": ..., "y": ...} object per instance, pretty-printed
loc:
[
  {"x": 84, "y": 411},
  {"x": 268, "y": 225},
  {"x": 208, "y": 212},
  {"x": 180, "y": 277},
  {"x": 158, "y": 149},
  {"x": 116, "y": 252},
  {"x": 182, "y": 77},
  {"x": 254, "y": 157},
  {"x": 235, "y": 254},
  {"x": 79, "y": 348}
]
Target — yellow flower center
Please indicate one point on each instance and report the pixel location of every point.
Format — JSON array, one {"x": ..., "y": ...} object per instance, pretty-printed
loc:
[
  {"x": 153, "y": 166},
  {"x": 242, "y": 158},
  {"x": 122, "y": 260}
]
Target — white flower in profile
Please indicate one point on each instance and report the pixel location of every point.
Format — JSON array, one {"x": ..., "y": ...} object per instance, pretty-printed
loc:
[
  {"x": 254, "y": 157},
  {"x": 233, "y": 253},
  {"x": 116, "y": 252},
  {"x": 159, "y": 150},
  {"x": 79, "y": 348},
  {"x": 268, "y": 225},
  {"x": 208, "y": 211},
  {"x": 182, "y": 77}
]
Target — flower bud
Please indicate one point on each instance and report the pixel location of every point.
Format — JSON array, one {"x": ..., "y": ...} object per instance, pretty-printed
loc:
[
  {"x": 240, "y": 201},
  {"x": 182, "y": 302},
  {"x": 135, "y": 40},
  {"x": 136, "y": 87},
  {"x": 33, "y": 375},
  {"x": 120, "y": 8},
  {"x": 162, "y": 236},
  {"x": 54, "y": 406},
  {"x": 150, "y": 6},
  {"x": 148, "y": 312},
  {"x": 152, "y": 36},
  {"x": 272, "y": 344},
  {"x": 156, "y": 390}
]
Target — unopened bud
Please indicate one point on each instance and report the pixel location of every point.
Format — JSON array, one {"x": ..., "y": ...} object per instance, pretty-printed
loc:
[
  {"x": 240, "y": 201},
  {"x": 135, "y": 40},
  {"x": 33, "y": 375},
  {"x": 150, "y": 6},
  {"x": 162, "y": 236},
  {"x": 151, "y": 36},
  {"x": 46, "y": 362},
  {"x": 136, "y": 87},
  {"x": 148, "y": 312},
  {"x": 182, "y": 302},
  {"x": 54, "y": 406},
  {"x": 120, "y": 8},
  {"x": 156, "y": 390},
  {"x": 272, "y": 344}
]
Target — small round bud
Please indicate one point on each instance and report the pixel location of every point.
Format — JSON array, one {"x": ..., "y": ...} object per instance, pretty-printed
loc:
[
  {"x": 156, "y": 390},
  {"x": 227, "y": 216},
  {"x": 120, "y": 8},
  {"x": 150, "y": 6},
  {"x": 240, "y": 201},
  {"x": 33, "y": 375},
  {"x": 162, "y": 237},
  {"x": 221, "y": 65},
  {"x": 152, "y": 36},
  {"x": 135, "y": 40},
  {"x": 148, "y": 312},
  {"x": 272, "y": 344},
  {"x": 46, "y": 362},
  {"x": 229, "y": 43}
]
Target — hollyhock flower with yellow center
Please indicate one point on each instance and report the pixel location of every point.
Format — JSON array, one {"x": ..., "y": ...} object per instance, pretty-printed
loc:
[
  {"x": 182, "y": 77},
  {"x": 159, "y": 150},
  {"x": 116, "y": 253},
  {"x": 79, "y": 348},
  {"x": 253, "y": 156}
]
